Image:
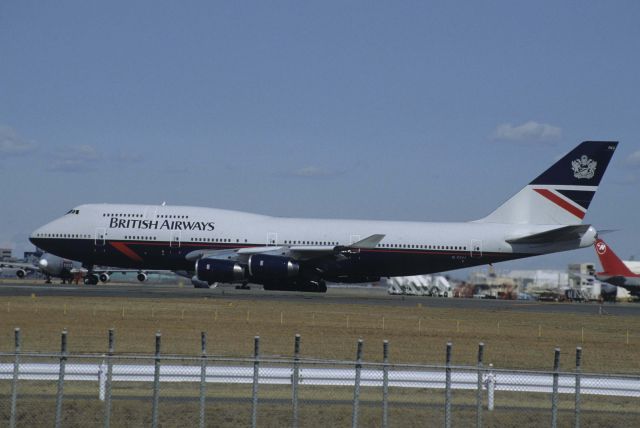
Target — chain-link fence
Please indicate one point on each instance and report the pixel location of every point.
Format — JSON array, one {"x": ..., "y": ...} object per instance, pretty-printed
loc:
[{"x": 63, "y": 389}]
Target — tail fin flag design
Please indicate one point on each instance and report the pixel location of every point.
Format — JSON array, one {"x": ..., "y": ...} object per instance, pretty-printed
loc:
[
  {"x": 562, "y": 194},
  {"x": 611, "y": 263}
]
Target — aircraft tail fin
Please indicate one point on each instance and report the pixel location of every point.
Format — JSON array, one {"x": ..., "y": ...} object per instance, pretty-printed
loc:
[
  {"x": 611, "y": 263},
  {"x": 562, "y": 194}
]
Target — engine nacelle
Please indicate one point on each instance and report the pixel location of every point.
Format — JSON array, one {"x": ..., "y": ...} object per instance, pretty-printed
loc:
[
  {"x": 264, "y": 267},
  {"x": 105, "y": 277},
  {"x": 142, "y": 277},
  {"x": 21, "y": 273},
  {"x": 217, "y": 270}
]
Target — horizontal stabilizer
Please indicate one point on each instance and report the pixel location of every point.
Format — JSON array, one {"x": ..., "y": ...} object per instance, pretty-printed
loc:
[{"x": 566, "y": 233}]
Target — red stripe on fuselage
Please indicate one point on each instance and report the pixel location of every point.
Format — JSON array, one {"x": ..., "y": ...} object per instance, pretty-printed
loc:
[
  {"x": 561, "y": 202},
  {"x": 122, "y": 247}
]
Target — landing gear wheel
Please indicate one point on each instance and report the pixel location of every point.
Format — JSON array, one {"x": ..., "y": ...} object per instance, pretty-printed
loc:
[
  {"x": 91, "y": 279},
  {"x": 244, "y": 286}
]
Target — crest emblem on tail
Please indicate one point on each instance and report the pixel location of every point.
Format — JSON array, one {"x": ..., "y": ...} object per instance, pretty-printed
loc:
[{"x": 584, "y": 167}]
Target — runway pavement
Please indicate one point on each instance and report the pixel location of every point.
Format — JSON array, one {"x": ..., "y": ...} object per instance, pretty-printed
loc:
[{"x": 351, "y": 295}]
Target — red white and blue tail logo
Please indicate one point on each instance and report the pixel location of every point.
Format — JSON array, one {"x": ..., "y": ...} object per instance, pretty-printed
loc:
[
  {"x": 569, "y": 199},
  {"x": 562, "y": 193}
]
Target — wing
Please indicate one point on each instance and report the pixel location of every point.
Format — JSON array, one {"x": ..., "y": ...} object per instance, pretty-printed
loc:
[
  {"x": 298, "y": 252},
  {"x": 17, "y": 265}
]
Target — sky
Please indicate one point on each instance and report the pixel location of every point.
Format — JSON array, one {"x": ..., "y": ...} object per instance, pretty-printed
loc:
[{"x": 426, "y": 111}]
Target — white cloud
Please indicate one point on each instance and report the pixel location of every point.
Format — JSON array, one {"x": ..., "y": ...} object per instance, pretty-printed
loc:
[
  {"x": 530, "y": 131},
  {"x": 633, "y": 159},
  {"x": 85, "y": 157},
  {"x": 311, "y": 171},
  {"x": 78, "y": 158},
  {"x": 123, "y": 157},
  {"x": 11, "y": 144}
]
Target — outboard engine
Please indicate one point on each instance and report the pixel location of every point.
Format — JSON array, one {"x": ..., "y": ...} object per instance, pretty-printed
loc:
[
  {"x": 217, "y": 270},
  {"x": 142, "y": 276},
  {"x": 105, "y": 277},
  {"x": 264, "y": 267},
  {"x": 20, "y": 273}
]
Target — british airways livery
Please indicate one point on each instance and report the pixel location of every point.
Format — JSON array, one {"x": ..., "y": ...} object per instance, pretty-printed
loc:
[{"x": 221, "y": 246}]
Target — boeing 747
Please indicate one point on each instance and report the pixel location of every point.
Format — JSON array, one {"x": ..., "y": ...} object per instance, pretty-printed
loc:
[{"x": 222, "y": 246}]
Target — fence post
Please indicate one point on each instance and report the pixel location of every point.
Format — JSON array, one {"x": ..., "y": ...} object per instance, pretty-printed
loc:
[
  {"x": 256, "y": 373},
  {"x": 554, "y": 394},
  {"x": 479, "y": 388},
  {"x": 156, "y": 383},
  {"x": 356, "y": 386},
  {"x": 447, "y": 394},
  {"x": 14, "y": 383},
  {"x": 203, "y": 377},
  {"x": 577, "y": 387},
  {"x": 296, "y": 379},
  {"x": 102, "y": 378},
  {"x": 491, "y": 388},
  {"x": 385, "y": 383},
  {"x": 63, "y": 364},
  {"x": 107, "y": 398}
]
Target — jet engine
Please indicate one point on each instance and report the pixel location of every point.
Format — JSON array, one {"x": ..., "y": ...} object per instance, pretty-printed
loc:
[
  {"x": 217, "y": 270},
  {"x": 264, "y": 267},
  {"x": 20, "y": 273},
  {"x": 105, "y": 277},
  {"x": 142, "y": 277}
]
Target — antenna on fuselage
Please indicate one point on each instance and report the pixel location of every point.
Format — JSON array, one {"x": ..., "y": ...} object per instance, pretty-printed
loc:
[{"x": 164, "y": 203}]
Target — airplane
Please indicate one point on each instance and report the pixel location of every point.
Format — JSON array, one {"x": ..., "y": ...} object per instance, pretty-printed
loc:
[
  {"x": 52, "y": 266},
  {"x": 615, "y": 271},
  {"x": 223, "y": 246}
]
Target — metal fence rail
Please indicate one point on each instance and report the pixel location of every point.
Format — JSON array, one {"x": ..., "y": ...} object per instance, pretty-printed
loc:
[
  {"x": 371, "y": 375},
  {"x": 67, "y": 389}
]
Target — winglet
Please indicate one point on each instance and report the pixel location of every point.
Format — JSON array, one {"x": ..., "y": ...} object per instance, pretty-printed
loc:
[{"x": 368, "y": 242}]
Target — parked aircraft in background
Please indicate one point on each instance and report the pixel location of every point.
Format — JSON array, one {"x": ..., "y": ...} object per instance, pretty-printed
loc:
[
  {"x": 225, "y": 246},
  {"x": 624, "y": 274},
  {"x": 52, "y": 266}
]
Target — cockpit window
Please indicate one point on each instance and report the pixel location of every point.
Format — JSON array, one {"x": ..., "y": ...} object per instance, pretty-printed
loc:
[{"x": 73, "y": 212}]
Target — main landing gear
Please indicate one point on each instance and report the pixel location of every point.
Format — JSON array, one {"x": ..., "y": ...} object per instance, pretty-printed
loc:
[{"x": 91, "y": 279}]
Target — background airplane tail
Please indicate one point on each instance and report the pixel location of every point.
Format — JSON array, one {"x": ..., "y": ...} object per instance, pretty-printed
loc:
[
  {"x": 611, "y": 263},
  {"x": 562, "y": 194}
]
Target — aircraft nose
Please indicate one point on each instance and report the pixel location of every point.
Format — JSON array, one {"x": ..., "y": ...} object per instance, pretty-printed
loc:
[{"x": 33, "y": 236}]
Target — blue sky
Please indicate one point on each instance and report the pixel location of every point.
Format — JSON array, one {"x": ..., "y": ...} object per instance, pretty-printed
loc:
[{"x": 406, "y": 111}]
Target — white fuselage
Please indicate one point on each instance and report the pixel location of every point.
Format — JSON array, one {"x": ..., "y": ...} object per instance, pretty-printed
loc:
[{"x": 150, "y": 236}]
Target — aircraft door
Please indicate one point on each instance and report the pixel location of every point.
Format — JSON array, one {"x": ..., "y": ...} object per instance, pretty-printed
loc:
[
  {"x": 272, "y": 239},
  {"x": 100, "y": 236},
  {"x": 476, "y": 248},
  {"x": 175, "y": 239}
]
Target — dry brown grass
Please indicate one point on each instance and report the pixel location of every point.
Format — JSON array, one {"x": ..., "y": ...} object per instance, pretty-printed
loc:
[{"x": 416, "y": 334}]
